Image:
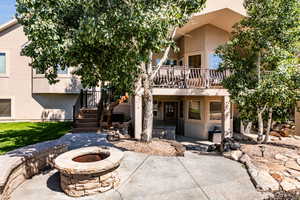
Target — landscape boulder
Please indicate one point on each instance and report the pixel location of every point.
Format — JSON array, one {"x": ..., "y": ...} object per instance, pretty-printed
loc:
[{"x": 233, "y": 155}]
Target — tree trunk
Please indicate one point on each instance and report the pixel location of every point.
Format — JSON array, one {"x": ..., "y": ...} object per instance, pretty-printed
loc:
[
  {"x": 248, "y": 128},
  {"x": 260, "y": 127},
  {"x": 245, "y": 130},
  {"x": 258, "y": 67},
  {"x": 242, "y": 128},
  {"x": 110, "y": 110},
  {"x": 147, "y": 78},
  {"x": 267, "y": 136},
  {"x": 260, "y": 112},
  {"x": 147, "y": 111}
]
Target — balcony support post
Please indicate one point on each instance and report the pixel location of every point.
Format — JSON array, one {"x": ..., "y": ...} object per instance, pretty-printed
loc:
[{"x": 227, "y": 132}]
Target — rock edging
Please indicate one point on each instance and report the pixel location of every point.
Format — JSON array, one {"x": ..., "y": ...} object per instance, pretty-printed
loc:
[{"x": 261, "y": 179}]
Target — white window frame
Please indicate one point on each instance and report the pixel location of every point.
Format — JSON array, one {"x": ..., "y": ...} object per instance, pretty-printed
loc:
[{"x": 7, "y": 64}]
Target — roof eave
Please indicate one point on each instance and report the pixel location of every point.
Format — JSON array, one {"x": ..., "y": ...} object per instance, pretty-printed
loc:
[{"x": 8, "y": 24}]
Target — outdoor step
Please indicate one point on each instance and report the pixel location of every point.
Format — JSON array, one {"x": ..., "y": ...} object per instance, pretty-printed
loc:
[
  {"x": 86, "y": 120},
  {"x": 87, "y": 124},
  {"x": 88, "y": 111},
  {"x": 86, "y": 130},
  {"x": 87, "y": 116}
]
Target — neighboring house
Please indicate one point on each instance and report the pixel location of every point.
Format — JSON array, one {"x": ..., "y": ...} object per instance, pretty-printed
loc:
[
  {"x": 188, "y": 96},
  {"x": 26, "y": 94}
]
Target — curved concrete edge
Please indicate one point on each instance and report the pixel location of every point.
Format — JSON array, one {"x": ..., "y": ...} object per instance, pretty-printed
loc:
[
  {"x": 23, "y": 163},
  {"x": 65, "y": 164},
  {"x": 19, "y": 165},
  {"x": 260, "y": 178}
]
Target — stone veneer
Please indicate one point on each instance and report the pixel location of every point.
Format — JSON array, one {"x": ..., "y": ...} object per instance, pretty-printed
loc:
[
  {"x": 87, "y": 178},
  {"x": 85, "y": 184},
  {"x": 24, "y": 163}
]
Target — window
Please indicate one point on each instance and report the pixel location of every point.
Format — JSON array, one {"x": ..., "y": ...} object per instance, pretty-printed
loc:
[
  {"x": 215, "y": 110},
  {"x": 2, "y": 63},
  {"x": 195, "y": 110},
  {"x": 157, "y": 61},
  {"x": 61, "y": 71},
  {"x": 38, "y": 71},
  {"x": 195, "y": 61},
  {"x": 181, "y": 62},
  {"x": 171, "y": 62},
  {"x": 5, "y": 108},
  {"x": 214, "y": 61}
]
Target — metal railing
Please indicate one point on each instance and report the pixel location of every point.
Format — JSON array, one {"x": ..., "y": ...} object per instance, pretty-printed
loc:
[
  {"x": 186, "y": 77},
  {"x": 88, "y": 99},
  {"x": 92, "y": 99}
]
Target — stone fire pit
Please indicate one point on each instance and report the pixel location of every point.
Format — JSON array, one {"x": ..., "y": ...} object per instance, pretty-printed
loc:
[{"x": 88, "y": 170}]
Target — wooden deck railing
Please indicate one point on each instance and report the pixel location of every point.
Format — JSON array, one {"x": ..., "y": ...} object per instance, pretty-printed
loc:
[{"x": 186, "y": 77}]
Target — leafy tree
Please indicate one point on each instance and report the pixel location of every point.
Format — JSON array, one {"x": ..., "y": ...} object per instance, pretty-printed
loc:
[
  {"x": 105, "y": 40},
  {"x": 261, "y": 56}
]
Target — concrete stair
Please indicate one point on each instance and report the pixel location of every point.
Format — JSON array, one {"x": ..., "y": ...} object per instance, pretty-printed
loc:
[{"x": 86, "y": 122}]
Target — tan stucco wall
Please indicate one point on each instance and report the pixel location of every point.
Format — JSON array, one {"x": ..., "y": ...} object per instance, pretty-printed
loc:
[
  {"x": 67, "y": 84},
  {"x": 203, "y": 40},
  {"x": 213, "y": 5},
  {"x": 17, "y": 84}
]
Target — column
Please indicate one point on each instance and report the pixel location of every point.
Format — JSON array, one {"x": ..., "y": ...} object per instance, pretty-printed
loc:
[{"x": 227, "y": 131}]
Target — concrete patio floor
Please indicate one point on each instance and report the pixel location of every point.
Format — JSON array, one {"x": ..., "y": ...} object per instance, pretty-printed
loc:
[{"x": 163, "y": 178}]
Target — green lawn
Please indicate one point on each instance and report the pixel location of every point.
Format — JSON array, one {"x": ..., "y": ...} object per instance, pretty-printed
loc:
[{"x": 16, "y": 135}]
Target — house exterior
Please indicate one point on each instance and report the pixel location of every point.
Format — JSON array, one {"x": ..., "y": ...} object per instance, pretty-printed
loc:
[
  {"x": 26, "y": 95},
  {"x": 188, "y": 96}
]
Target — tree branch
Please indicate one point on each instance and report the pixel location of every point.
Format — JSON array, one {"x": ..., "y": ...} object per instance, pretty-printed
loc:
[{"x": 165, "y": 56}]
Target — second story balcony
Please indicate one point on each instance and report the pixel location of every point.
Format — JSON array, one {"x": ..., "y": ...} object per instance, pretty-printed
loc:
[{"x": 183, "y": 77}]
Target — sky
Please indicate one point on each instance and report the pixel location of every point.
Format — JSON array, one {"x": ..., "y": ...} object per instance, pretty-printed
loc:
[{"x": 7, "y": 10}]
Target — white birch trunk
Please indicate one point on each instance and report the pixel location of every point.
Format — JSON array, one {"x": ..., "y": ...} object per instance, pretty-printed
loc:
[
  {"x": 267, "y": 136},
  {"x": 248, "y": 128},
  {"x": 147, "y": 112},
  {"x": 242, "y": 128},
  {"x": 245, "y": 130},
  {"x": 260, "y": 126},
  {"x": 148, "y": 103},
  {"x": 260, "y": 112},
  {"x": 148, "y": 76}
]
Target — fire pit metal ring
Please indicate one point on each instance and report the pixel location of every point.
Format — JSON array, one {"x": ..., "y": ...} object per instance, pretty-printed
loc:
[{"x": 88, "y": 170}]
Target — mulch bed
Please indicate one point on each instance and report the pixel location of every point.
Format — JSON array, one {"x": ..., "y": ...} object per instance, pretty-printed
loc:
[{"x": 155, "y": 147}]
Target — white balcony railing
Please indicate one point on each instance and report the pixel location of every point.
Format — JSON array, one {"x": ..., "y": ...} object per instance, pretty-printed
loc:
[{"x": 186, "y": 77}]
